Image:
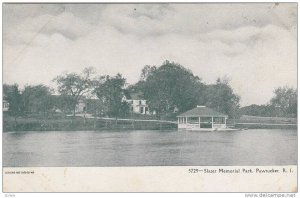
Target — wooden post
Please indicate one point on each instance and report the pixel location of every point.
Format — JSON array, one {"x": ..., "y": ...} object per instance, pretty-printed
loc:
[
  {"x": 133, "y": 125},
  {"x": 212, "y": 122},
  {"x": 199, "y": 122},
  {"x": 84, "y": 119},
  {"x": 95, "y": 122},
  {"x": 185, "y": 122}
]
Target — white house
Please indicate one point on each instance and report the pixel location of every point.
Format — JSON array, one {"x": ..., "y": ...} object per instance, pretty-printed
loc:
[
  {"x": 138, "y": 106},
  {"x": 81, "y": 106},
  {"x": 5, "y": 105},
  {"x": 137, "y": 103},
  {"x": 202, "y": 118}
]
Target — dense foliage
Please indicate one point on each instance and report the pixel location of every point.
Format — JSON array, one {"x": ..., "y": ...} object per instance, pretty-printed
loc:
[
  {"x": 110, "y": 90},
  {"x": 37, "y": 99},
  {"x": 221, "y": 97},
  {"x": 283, "y": 104},
  {"x": 75, "y": 85},
  {"x": 169, "y": 89},
  {"x": 12, "y": 95}
]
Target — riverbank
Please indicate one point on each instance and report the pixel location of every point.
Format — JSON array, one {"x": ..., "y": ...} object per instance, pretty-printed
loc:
[
  {"x": 82, "y": 124},
  {"x": 265, "y": 126},
  {"x": 256, "y": 122}
]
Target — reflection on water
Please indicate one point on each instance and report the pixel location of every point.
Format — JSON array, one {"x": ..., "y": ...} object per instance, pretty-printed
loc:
[{"x": 150, "y": 148}]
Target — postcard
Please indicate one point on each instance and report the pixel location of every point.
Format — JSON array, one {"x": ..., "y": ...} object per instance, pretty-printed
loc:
[{"x": 149, "y": 97}]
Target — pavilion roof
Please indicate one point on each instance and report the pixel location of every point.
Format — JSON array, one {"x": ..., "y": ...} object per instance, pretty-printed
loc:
[{"x": 201, "y": 111}]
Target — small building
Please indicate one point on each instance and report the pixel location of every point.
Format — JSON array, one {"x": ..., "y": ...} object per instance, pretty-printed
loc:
[
  {"x": 5, "y": 105},
  {"x": 138, "y": 106},
  {"x": 81, "y": 106},
  {"x": 203, "y": 119},
  {"x": 137, "y": 103}
]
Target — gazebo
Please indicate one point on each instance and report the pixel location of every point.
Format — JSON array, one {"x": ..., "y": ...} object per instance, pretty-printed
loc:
[{"x": 202, "y": 118}]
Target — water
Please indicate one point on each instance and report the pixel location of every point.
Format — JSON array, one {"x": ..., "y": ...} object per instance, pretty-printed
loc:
[{"x": 150, "y": 148}]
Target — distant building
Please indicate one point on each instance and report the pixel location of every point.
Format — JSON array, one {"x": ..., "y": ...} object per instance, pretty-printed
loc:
[
  {"x": 5, "y": 105},
  {"x": 202, "y": 118},
  {"x": 138, "y": 104},
  {"x": 81, "y": 106},
  {"x": 63, "y": 103}
]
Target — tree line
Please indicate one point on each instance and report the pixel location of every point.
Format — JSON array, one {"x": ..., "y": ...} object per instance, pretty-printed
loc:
[
  {"x": 282, "y": 104},
  {"x": 169, "y": 89}
]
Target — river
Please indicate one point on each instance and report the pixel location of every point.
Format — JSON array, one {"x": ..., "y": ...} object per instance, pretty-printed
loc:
[{"x": 150, "y": 148}]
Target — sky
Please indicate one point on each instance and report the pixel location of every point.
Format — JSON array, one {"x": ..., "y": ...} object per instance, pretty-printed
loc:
[{"x": 253, "y": 45}]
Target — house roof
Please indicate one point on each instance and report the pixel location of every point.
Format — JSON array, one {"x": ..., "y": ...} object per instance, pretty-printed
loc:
[
  {"x": 136, "y": 96},
  {"x": 201, "y": 111}
]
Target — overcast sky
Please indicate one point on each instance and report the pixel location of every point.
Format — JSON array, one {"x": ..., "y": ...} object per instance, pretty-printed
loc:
[{"x": 254, "y": 45}]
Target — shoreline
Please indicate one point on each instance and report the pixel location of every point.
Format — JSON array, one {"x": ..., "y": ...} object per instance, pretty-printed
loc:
[
  {"x": 100, "y": 124},
  {"x": 83, "y": 124}
]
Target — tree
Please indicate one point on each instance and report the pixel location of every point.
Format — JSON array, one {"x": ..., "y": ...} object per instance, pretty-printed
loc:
[
  {"x": 147, "y": 71},
  {"x": 170, "y": 87},
  {"x": 63, "y": 103},
  {"x": 256, "y": 110},
  {"x": 221, "y": 97},
  {"x": 110, "y": 90},
  {"x": 283, "y": 104},
  {"x": 285, "y": 100},
  {"x": 75, "y": 85},
  {"x": 13, "y": 97},
  {"x": 37, "y": 99},
  {"x": 96, "y": 107}
]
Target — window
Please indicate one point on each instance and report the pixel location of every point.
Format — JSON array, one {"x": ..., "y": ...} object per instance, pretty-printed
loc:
[
  {"x": 206, "y": 125},
  {"x": 205, "y": 119},
  {"x": 193, "y": 120},
  {"x": 182, "y": 120},
  {"x": 141, "y": 109},
  {"x": 146, "y": 108},
  {"x": 140, "y": 102},
  {"x": 219, "y": 120},
  {"x": 205, "y": 122},
  {"x": 6, "y": 105}
]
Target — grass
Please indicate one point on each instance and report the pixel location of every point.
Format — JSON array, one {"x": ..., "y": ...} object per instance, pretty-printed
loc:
[
  {"x": 63, "y": 123},
  {"x": 78, "y": 124}
]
